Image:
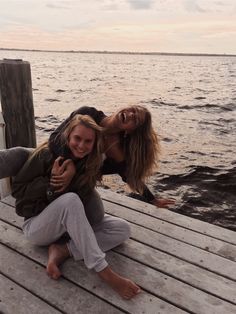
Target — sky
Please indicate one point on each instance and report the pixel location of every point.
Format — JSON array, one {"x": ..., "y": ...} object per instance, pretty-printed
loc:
[{"x": 185, "y": 26}]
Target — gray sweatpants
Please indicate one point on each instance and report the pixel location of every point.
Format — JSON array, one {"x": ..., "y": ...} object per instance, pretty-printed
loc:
[
  {"x": 12, "y": 159},
  {"x": 67, "y": 214}
]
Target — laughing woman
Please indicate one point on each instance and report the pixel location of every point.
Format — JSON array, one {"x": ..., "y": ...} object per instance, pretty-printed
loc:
[
  {"x": 49, "y": 213},
  {"x": 131, "y": 147}
]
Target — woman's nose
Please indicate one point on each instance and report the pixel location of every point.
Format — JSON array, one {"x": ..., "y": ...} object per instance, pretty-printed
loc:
[{"x": 81, "y": 144}]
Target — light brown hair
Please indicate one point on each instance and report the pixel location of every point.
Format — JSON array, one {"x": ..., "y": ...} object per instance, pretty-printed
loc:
[
  {"x": 94, "y": 159},
  {"x": 93, "y": 162},
  {"x": 142, "y": 150}
]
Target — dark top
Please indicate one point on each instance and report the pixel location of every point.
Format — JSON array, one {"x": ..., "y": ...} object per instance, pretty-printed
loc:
[
  {"x": 110, "y": 166},
  {"x": 31, "y": 186}
]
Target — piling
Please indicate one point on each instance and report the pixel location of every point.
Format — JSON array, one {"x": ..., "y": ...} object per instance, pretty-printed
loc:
[{"x": 17, "y": 102}]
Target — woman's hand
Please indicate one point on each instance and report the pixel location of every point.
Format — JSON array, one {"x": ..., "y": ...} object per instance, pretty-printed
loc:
[
  {"x": 62, "y": 174},
  {"x": 163, "y": 203}
]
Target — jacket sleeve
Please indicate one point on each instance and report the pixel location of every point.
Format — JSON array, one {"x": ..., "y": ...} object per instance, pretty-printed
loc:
[{"x": 30, "y": 185}]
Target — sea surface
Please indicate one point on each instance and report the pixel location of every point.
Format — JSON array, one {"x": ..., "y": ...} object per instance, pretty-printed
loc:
[{"x": 193, "y": 104}]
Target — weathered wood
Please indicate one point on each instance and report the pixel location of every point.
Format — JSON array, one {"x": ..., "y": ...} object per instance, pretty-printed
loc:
[
  {"x": 17, "y": 300},
  {"x": 187, "y": 253},
  {"x": 173, "y": 231},
  {"x": 184, "y": 271},
  {"x": 17, "y": 103},
  {"x": 170, "y": 233},
  {"x": 177, "y": 274},
  {"x": 169, "y": 216},
  {"x": 158, "y": 284},
  {"x": 171, "y": 251},
  {"x": 62, "y": 294},
  {"x": 77, "y": 273}
]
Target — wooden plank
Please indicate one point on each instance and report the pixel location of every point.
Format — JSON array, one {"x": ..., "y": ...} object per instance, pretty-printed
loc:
[
  {"x": 178, "y": 249},
  {"x": 162, "y": 230},
  {"x": 8, "y": 214},
  {"x": 77, "y": 273},
  {"x": 183, "y": 251},
  {"x": 158, "y": 284},
  {"x": 15, "y": 299},
  {"x": 169, "y": 216},
  {"x": 181, "y": 270},
  {"x": 69, "y": 298},
  {"x": 187, "y": 236}
]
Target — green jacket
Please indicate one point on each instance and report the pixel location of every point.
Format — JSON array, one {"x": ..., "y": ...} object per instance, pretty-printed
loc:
[{"x": 31, "y": 184}]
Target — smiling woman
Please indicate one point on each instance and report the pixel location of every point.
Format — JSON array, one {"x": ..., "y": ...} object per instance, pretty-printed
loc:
[
  {"x": 81, "y": 141},
  {"x": 52, "y": 207}
]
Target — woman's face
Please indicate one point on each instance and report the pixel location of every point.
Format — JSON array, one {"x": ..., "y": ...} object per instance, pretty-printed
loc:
[
  {"x": 130, "y": 118},
  {"x": 81, "y": 141}
]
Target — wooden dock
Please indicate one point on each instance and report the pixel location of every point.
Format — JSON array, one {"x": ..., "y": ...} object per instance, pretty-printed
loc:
[{"x": 183, "y": 265}]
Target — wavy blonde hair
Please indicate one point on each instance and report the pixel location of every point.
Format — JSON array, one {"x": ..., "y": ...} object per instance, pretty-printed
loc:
[
  {"x": 142, "y": 150},
  {"x": 92, "y": 164},
  {"x": 93, "y": 161}
]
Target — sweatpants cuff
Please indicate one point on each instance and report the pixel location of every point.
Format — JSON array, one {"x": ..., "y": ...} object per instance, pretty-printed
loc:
[{"x": 102, "y": 265}]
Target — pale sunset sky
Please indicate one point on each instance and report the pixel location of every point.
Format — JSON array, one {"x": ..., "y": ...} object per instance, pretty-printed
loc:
[{"x": 187, "y": 26}]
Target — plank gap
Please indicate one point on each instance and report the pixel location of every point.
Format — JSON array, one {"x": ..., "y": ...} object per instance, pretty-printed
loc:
[
  {"x": 170, "y": 222},
  {"x": 32, "y": 293}
]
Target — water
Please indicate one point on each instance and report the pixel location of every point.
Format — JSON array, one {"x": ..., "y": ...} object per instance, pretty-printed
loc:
[{"x": 193, "y": 103}]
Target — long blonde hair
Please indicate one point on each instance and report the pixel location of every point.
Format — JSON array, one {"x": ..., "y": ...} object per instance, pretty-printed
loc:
[
  {"x": 92, "y": 163},
  {"x": 142, "y": 150}
]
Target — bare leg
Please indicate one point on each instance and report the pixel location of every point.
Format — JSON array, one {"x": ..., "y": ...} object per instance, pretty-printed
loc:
[
  {"x": 57, "y": 254},
  {"x": 126, "y": 288}
]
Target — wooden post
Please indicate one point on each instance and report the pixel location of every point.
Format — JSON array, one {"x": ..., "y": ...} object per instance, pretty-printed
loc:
[{"x": 17, "y": 103}]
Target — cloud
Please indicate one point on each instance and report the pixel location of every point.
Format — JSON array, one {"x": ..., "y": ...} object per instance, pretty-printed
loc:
[
  {"x": 140, "y": 4},
  {"x": 193, "y": 6},
  {"x": 56, "y": 6}
]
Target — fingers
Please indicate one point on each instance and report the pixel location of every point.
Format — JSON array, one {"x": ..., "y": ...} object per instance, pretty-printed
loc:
[
  {"x": 57, "y": 169},
  {"x": 57, "y": 179},
  {"x": 67, "y": 162},
  {"x": 163, "y": 203}
]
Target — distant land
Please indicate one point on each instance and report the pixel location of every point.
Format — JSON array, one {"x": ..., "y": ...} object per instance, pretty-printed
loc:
[{"x": 125, "y": 52}]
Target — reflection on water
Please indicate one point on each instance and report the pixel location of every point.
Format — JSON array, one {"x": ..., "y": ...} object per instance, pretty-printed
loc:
[{"x": 193, "y": 104}]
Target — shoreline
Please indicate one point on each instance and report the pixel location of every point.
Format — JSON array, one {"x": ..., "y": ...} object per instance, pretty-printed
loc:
[{"x": 126, "y": 52}]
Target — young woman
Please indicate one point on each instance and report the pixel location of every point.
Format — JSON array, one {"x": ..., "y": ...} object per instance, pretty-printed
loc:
[
  {"x": 50, "y": 213},
  {"x": 131, "y": 147}
]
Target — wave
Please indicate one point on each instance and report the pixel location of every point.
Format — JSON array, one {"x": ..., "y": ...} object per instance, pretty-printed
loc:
[{"x": 203, "y": 192}]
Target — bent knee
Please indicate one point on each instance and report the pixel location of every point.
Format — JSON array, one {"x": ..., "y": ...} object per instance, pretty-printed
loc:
[
  {"x": 71, "y": 202},
  {"x": 127, "y": 229},
  {"x": 124, "y": 229}
]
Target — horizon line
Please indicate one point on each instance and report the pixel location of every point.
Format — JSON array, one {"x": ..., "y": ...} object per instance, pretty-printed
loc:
[{"x": 124, "y": 52}]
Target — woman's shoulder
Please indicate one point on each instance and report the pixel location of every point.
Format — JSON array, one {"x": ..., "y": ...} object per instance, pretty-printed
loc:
[
  {"x": 42, "y": 155},
  {"x": 97, "y": 115}
]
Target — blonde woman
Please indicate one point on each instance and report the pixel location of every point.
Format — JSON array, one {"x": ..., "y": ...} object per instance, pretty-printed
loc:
[{"x": 50, "y": 212}]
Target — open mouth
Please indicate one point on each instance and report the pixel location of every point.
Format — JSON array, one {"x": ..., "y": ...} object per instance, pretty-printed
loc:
[{"x": 123, "y": 117}]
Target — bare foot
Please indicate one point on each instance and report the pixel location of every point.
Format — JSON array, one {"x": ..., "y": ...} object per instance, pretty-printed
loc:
[
  {"x": 126, "y": 288},
  {"x": 57, "y": 253}
]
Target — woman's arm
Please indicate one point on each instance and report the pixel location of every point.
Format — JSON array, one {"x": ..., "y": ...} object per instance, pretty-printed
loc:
[
  {"x": 12, "y": 160},
  {"x": 30, "y": 185},
  {"x": 110, "y": 166},
  {"x": 62, "y": 174}
]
